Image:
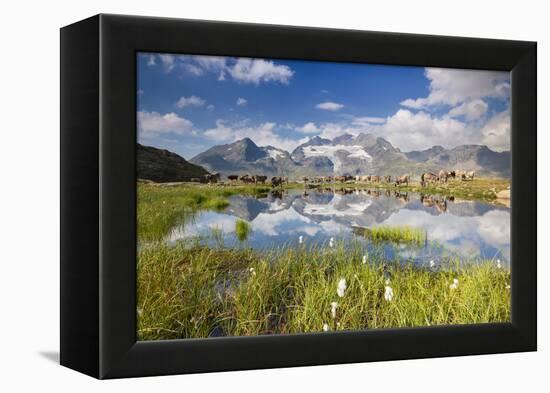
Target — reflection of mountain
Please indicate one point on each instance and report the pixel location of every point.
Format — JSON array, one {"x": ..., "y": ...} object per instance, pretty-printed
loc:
[{"x": 348, "y": 154}]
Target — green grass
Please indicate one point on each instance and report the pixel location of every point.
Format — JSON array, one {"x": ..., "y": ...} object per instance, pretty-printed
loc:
[
  {"x": 189, "y": 291},
  {"x": 242, "y": 229},
  {"x": 396, "y": 234},
  {"x": 161, "y": 208}
]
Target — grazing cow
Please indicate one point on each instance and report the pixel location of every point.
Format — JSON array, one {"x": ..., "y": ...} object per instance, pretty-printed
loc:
[
  {"x": 468, "y": 175},
  {"x": 443, "y": 175},
  {"x": 429, "y": 177},
  {"x": 259, "y": 179},
  {"x": 452, "y": 174},
  {"x": 276, "y": 181},
  {"x": 460, "y": 174},
  {"x": 402, "y": 180},
  {"x": 341, "y": 179},
  {"x": 212, "y": 178},
  {"x": 387, "y": 179},
  {"x": 375, "y": 179},
  {"x": 304, "y": 179},
  {"x": 233, "y": 178},
  {"x": 246, "y": 178}
]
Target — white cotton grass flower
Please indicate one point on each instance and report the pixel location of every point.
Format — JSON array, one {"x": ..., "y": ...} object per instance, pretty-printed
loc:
[
  {"x": 388, "y": 281},
  {"x": 355, "y": 276},
  {"x": 364, "y": 259},
  {"x": 388, "y": 294},
  {"x": 499, "y": 265},
  {"x": 342, "y": 286},
  {"x": 333, "y": 307},
  {"x": 432, "y": 263},
  {"x": 300, "y": 239},
  {"x": 454, "y": 285},
  {"x": 325, "y": 327},
  {"x": 508, "y": 286},
  {"x": 337, "y": 324},
  {"x": 252, "y": 271},
  {"x": 331, "y": 242}
]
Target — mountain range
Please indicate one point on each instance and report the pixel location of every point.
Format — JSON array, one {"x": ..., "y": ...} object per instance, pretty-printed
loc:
[{"x": 349, "y": 154}]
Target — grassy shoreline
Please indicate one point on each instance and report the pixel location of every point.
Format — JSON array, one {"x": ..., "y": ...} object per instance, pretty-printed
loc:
[{"x": 191, "y": 292}]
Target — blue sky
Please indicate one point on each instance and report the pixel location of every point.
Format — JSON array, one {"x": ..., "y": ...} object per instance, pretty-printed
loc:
[{"x": 187, "y": 104}]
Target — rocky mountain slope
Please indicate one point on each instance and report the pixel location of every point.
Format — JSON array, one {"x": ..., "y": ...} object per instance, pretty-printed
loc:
[{"x": 164, "y": 166}]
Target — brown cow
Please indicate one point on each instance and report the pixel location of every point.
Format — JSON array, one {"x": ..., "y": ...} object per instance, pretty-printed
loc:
[
  {"x": 387, "y": 179},
  {"x": 233, "y": 178},
  {"x": 402, "y": 180},
  {"x": 276, "y": 181},
  {"x": 341, "y": 179},
  {"x": 375, "y": 179},
  {"x": 429, "y": 177}
]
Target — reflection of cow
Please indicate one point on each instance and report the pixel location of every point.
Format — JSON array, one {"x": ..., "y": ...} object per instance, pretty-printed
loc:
[
  {"x": 212, "y": 178},
  {"x": 401, "y": 196},
  {"x": 233, "y": 178},
  {"x": 402, "y": 180},
  {"x": 429, "y": 177},
  {"x": 259, "y": 179},
  {"x": 440, "y": 203}
]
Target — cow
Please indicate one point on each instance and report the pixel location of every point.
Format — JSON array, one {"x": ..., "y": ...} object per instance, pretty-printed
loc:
[
  {"x": 387, "y": 179},
  {"x": 305, "y": 179},
  {"x": 246, "y": 179},
  {"x": 429, "y": 177},
  {"x": 443, "y": 175},
  {"x": 468, "y": 175},
  {"x": 233, "y": 178},
  {"x": 276, "y": 181},
  {"x": 402, "y": 180},
  {"x": 375, "y": 179},
  {"x": 212, "y": 178},
  {"x": 341, "y": 179},
  {"x": 259, "y": 179}
]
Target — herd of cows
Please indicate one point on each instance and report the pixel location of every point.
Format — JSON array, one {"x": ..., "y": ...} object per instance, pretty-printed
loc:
[{"x": 425, "y": 179}]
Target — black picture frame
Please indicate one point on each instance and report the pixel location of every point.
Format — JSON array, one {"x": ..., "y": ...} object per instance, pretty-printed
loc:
[{"x": 98, "y": 196}]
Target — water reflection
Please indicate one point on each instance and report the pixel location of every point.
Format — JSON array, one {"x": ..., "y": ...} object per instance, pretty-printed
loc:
[{"x": 467, "y": 229}]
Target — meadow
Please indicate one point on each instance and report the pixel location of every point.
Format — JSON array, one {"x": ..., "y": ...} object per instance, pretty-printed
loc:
[{"x": 192, "y": 291}]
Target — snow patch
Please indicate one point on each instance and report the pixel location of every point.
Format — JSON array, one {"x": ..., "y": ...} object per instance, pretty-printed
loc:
[
  {"x": 274, "y": 153},
  {"x": 353, "y": 151}
]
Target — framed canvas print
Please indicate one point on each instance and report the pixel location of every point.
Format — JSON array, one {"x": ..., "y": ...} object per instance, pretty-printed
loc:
[{"x": 238, "y": 196}]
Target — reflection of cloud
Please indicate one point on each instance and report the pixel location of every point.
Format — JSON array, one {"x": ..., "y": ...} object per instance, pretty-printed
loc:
[
  {"x": 272, "y": 224},
  {"x": 203, "y": 225},
  {"x": 334, "y": 209},
  {"x": 461, "y": 234}
]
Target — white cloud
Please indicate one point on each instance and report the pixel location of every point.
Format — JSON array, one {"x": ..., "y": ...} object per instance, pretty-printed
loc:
[
  {"x": 308, "y": 128},
  {"x": 263, "y": 135},
  {"x": 184, "y": 102},
  {"x": 413, "y": 131},
  {"x": 367, "y": 120},
  {"x": 454, "y": 86},
  {"x": 329, "y": 106},
  {"x": 193, "y": 69},
  {"x": 210, "y": 107},
  {"x": 168, "y": 62},
  {"x": 151, "y": 61},
  {"x": 259, "y": 70},
  {"x": 496, "y": 132},
  {"x": 471, "y": 110},
  {"x": 241, "y": 101},
  {"x": 154, "y": 123}
]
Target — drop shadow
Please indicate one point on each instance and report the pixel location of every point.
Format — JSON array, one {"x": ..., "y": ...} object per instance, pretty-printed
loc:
[{"x": 52, "y": 356}]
